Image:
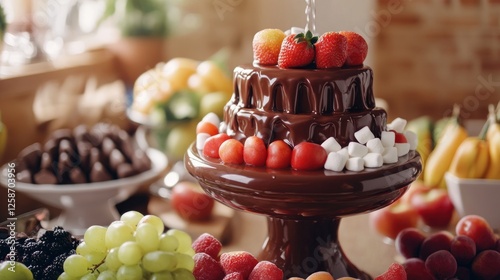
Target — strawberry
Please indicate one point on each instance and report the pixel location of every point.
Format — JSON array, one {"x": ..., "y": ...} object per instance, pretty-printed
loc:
[
  {"x": 266, "y": 46},
  {"x": 297, "y": 50},
  {"x": 357, "y": 48},
  {"x": 331, "y": 50}
]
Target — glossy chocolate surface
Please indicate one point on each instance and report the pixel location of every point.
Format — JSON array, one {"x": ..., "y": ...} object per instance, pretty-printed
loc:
[
  {"x": 299, "y": 105},
  {"x": 292, "y": 194}
]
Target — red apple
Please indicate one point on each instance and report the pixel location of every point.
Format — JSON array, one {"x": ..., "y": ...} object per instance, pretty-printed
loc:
[
  {"x": 415, "y": 188},
  {"x": 434, "y": 207},
  {"x": 390, "y": 220},
  {"x": 190, "y": 202}
]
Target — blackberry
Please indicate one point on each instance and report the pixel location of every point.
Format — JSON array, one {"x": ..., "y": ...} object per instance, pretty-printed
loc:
[
  {"x": 4, "y": 249},
  {"x": 51, "y": 272},
  {"x": 30, "y": 246},
  {"x": 37, "y": 271},
  {"x": 40, "y": 258}
]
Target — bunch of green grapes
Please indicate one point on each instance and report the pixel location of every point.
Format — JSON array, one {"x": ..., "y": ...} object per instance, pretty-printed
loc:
[{"x": 133, "y": 248}]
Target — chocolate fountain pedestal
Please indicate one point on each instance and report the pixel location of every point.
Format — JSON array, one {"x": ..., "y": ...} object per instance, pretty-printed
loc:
[{"x": 304, "y": 208}]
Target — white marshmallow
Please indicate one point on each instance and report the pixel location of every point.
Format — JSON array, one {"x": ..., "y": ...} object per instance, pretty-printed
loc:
[
  {"x": 331, "y": 145},
  {"x": 412, "y": 139},
  {"x": 335, "y": 161},
  {"x": 403, "y": 148},
  {"x": 222, "y": 127},
  {"x": 390, "y": 155},
  {"x": 388, "y": 139},
  {"x": 344, "y": 151},
  {"x": 357, "y": 150},
  {"x": 363, "y": 135},
  {"x": 398, "y": 125},
  {"x": 375, "y": 146},
  {"x": 355, "y": 164},
  {"x": 373, "y": 160},
  {"x": 212, "y": 118},
  {"x": 201, "y": 138}
]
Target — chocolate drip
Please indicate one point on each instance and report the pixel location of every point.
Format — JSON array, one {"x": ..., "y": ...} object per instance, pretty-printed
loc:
[{"x": 299, "y": 105}]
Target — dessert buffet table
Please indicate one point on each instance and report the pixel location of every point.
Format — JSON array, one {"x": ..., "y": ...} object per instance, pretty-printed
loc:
[{"x": 364, "y": 247}]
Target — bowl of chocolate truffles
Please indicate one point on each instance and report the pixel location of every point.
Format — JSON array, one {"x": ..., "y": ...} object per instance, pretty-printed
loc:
[{"x": 83, "y": 171}]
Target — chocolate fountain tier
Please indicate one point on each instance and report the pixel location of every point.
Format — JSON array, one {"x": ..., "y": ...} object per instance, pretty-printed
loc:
[{"x": 304, "y": 208}]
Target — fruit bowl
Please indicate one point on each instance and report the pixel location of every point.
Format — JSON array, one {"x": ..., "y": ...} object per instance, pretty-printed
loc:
[
  {"x": 88, "y": 204},
  {"x": 475, "y": 196}
]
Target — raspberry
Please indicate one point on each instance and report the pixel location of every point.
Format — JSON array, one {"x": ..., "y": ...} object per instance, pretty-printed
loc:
[
  {"x": 206, "y": 243},
  {"x": 238, "y": 261},
  {"x": 266, "y": 270},
  {"x": 395, "y": 271},
  {"x": 207, "y": 268},
  {"x": 234, "y": 276}
]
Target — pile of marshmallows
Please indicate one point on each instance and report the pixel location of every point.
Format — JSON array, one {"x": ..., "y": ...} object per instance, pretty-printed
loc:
[
  {"x": 367, "y": 152},
  {"x": 370, "y": 151}
]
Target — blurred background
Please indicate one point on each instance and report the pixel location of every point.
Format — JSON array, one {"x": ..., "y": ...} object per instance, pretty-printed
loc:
[{"x": 65, "y": 63}]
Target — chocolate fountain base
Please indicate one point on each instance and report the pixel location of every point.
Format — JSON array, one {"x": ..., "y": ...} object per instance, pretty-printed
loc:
[{"x": 302, "y": 247}]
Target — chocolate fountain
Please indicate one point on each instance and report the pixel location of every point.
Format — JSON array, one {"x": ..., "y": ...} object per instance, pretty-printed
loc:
[{"x": 304, "y": 209}]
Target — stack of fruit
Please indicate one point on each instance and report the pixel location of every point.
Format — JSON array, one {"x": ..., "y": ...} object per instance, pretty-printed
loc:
[
  {"x": 446, "y": 146},
  {"x": 301, "y": 50},
  {"x": 178, "y": 92},
  {"x": 472, "y": 253}
]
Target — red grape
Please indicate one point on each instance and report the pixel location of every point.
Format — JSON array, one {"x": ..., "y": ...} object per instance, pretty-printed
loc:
[
  {"x": 440, "y": 240},
  {"x": 477, "y": 228},
  {"x": 441, "y": 264},
  {"x": 463, "y": 273},
  {"x": 486, "y": 265},
  {"x": 416, "y": 270},
  {"x": 408, "y": 242},
  {"x": 463, "y": 249}
]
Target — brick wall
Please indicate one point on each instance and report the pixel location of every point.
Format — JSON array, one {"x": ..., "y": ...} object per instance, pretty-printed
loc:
[{"x": 429, "y": 54}]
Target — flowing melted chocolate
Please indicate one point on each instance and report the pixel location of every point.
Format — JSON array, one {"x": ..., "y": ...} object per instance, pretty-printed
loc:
[{"x": 298, "y": 105}]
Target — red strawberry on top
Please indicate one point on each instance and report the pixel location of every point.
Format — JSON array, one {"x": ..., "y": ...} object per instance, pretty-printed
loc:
[
  {"x": 331, "y": 50},
  {"x": 266, "y": 46},
  {"x": 297, "y": 50},
  {"x": 357, "y": 48}
]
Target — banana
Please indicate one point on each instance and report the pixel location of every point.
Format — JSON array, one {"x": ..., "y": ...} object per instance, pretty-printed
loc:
[
  {"x": 440, "y": 158},
  {"x": 493, "y": 138},
  {"x": 471, "y": 159},
  {"x": 423, "y": 128}
]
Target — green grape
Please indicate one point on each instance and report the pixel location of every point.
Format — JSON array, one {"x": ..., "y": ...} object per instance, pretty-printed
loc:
[
  {"x": 131, "y": 218},
  {"x": 189, "y": 251},
  {"x": 112, "y": 261},
  {"x": 168, "y": 243},
  {"x": 162, "y": 275},
  {"x": 94, "y": 238},
  {"x": 130, "y": 253},
  {"x": 118, "y": 232},
  {"x": 107, "y": 275},
  {"x": 95, "y": 258},
  {"x": 83, "y": 249},
  {"x": 184, "y": 261},
  {"x": 183, "y": 274},
  {"x": 155, "y": 221},
  {"x": 147, "y": 237},
  {"x": 184, "y": 239},
  {"x": 15, "y": 271},
  {"x": 65, "y": 276},
  {"x": 129, "y": 272},
  {"x": 76, "y": 265},
  {"x": 158, "y": 260},
  {"x": 89, "y": 276}
]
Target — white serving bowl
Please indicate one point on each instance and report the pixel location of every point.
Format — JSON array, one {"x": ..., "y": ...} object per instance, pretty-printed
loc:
[
  {"x": 476, "y": 196},
  {"x": 89, "y": 204}
]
